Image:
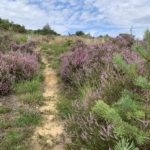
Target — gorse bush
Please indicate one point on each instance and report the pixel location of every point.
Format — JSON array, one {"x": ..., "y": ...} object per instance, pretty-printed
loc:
[{"x": 16, "y": 66}]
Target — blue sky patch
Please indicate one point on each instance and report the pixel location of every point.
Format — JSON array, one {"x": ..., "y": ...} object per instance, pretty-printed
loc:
[{"x": 97, "y": 17}]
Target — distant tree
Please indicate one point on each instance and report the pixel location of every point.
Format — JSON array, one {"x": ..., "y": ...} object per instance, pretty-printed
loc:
[
  {"x": 47, "y": 27},
  {"x": 10, "y": 26},
  {"x": 46, "y": 30},
  {"x": 79, "y": 33}
]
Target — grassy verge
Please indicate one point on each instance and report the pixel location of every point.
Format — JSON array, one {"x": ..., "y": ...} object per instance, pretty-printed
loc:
[
  {"x": 19, "y": 115},
  {"x": 54, "y": 50},
  {"x": 30, "y": 92},
  {"x": 27, "y": 118}
]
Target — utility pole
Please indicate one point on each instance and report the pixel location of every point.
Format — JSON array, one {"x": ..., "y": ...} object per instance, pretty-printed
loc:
[{"x": 131, "y": 30}]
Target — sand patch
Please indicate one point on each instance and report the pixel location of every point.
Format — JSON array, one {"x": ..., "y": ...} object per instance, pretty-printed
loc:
[{"x": 51, "y": 130}]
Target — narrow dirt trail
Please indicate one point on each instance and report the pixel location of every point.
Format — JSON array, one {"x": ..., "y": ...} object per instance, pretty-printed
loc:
[{"x": 50, "y": 134}]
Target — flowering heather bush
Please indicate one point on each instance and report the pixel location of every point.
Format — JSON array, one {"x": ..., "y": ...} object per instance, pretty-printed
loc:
[
  {"x": 83, "y": 60},
  {"x": 121, "y": 95},
  {"x": 9, "y": 42},
  {"x": 16, "y": 66},
  {"x": 124, "y": 40},
  {"x": 6, "y": 79},
  {"x": 25, "y": 47}
]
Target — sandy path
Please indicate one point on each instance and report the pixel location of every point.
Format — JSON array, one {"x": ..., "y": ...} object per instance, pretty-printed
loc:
[{"x": 49, "y": 136}]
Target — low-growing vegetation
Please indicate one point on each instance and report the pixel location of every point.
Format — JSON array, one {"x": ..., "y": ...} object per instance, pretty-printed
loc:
[
  {"x": 21, "y": 91},
  {"x": 27, "y": 118},
  {"x": 54, "y": 50},
  {"x": 111, "y": 81},
  {"x": 14, "y": 67}
]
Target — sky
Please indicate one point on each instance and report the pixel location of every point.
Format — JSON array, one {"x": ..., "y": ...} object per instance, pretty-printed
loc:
[{"x": 97, "y": 17}]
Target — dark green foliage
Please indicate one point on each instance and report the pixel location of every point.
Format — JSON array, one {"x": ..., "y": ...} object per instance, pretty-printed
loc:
[
  {"x": 79, "y": 33},
  {"x": 46, "y": 31},
  {"x": 10, "y": 26}
]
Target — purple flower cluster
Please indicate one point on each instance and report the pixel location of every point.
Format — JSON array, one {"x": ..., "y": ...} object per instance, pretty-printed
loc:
[
  {"x": 124, "y": 40},
  {"x": 25, "y": 47},
  {"x": 84, "y": 60},
  {"x": 16, "y": 66},
  {"x": 79, "y": 62}
]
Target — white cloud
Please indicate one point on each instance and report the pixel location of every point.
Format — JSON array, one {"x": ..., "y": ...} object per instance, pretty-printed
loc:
[
  {"x": 123, "y": 12},
  {"x": 20, "y": 12},
  {"x": 88, "y": 15}
]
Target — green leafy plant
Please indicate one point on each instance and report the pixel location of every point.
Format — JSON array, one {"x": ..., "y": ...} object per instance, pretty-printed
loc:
[{"x": 124, "y": 144}]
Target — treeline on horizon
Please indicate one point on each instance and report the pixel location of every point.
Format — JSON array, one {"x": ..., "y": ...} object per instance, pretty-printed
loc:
[
  {"x": 11, "y": 26},
  {"x": 46, "y": 30}
]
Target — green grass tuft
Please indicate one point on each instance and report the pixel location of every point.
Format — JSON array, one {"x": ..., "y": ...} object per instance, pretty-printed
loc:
[
  {"x": 28, "y": 86},
  {"x": 32, "y": 98},
  {"x": 4, "y": 109},
  {"x": 28, "y": 119},
  {"x": 54, "y": 50},
  {"x": 64, "y": 107},
  {"x": 4, "y": 124},
  {"x": 13, "y": 138}
]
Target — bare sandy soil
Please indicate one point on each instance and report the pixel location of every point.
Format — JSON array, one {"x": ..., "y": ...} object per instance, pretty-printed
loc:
[{"x": 50, "y": 134}]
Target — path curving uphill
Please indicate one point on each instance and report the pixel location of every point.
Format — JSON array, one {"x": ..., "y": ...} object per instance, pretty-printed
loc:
[{"x": 50, "y": 134}]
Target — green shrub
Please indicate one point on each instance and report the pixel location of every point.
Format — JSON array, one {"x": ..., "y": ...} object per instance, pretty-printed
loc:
[
  {"x": 88, "y": 132},
  {"x": 124, "y": 144},
  {"x": 121, "y": 128}
]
